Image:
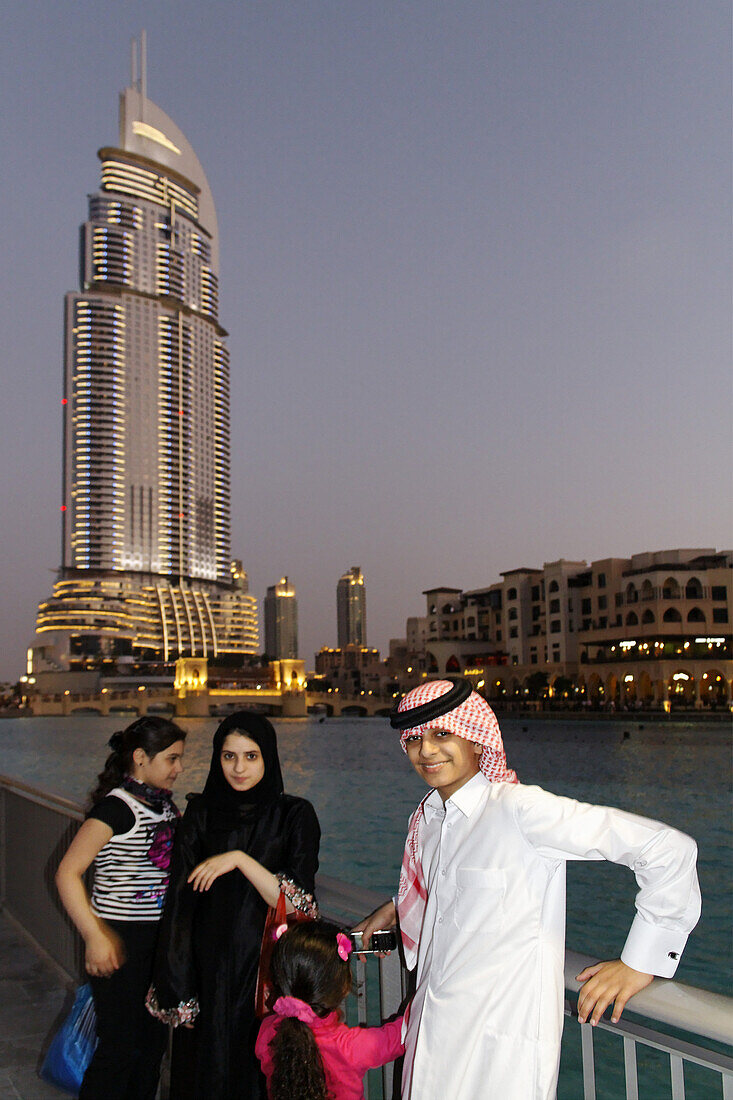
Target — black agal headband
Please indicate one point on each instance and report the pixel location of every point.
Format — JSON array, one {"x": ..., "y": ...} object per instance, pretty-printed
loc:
[{"x": 418, "y": 716}]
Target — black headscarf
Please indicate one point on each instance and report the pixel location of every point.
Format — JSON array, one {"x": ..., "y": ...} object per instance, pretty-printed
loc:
[{"x": 218, "y": 792}]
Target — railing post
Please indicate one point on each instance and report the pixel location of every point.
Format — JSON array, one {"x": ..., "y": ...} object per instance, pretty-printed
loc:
[
  {"x": 632, "y": 1082},
  {"x": 678, "y": 1077},
  {"x": 391, "y": 994},
  {"x": 589, "y": 1070}
]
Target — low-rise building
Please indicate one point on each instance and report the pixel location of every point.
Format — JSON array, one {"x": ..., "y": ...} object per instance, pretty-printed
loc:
[{"x": 653, "y": 629}]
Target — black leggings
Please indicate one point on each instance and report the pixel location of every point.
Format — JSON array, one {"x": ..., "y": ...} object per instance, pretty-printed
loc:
[{"x": 126, "y": 1063}]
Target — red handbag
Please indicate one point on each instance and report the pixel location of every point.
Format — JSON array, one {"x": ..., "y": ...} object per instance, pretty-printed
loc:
[{"x": 275, "y": 917}]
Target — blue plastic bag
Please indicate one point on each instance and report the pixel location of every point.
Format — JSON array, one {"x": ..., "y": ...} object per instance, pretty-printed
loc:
[{"x": 73, "y": 1044}]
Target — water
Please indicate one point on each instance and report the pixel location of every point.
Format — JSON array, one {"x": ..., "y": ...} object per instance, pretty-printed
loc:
[{"x": 363, "y": 789}]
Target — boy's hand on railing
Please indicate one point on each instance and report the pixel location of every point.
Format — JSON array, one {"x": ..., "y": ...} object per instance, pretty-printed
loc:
[
  {"x": 606, "y": 982},
  {"x": 382, "y": 918}
]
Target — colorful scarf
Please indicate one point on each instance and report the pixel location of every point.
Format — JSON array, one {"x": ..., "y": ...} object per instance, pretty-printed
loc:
[
  {"x": 474, "y": 720},
  {"x": 159, "y": 799}
]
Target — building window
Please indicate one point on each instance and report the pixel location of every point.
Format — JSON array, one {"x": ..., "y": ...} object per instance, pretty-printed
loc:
[
  {"x": 513, "y": 632},
  {"x": 585, "y": 607},
  {"x": 498, "y": 635},
  {"x": 554, "y": 607},
  {"x": 601, "y": 580},
  {"x": 695, "y": 615},
  {"x": 602, "y": 603},
  {"x": 719, "y": 592},
  {"x": 720, "y": 614},
  {"x": 588, "y": 624},
  {"x": 511, "y": 594},
  {"x": 602, "y": 623},
  {"x": 535, "y": 592},
  {"x": 533, "y": 658},
  {"x": 512, "y": 613},
  {"x": 554, "y": 586},
  {"x": 555, "y": 626},
  {"x": 672, "y": 615}
]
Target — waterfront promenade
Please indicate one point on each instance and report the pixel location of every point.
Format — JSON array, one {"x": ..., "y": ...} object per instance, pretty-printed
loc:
[{"x": 32, "y": 998}]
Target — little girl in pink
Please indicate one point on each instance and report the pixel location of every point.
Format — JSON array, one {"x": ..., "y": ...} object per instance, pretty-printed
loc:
[{"x": 304, "y": 1047}]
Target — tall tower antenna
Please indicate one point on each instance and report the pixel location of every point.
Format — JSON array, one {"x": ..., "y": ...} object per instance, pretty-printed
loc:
[
  {"x": 133, "y": 63},
  {"x": 143, "y": 65}
]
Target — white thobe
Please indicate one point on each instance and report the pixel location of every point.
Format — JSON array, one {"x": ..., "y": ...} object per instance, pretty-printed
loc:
[{"x": 486, "y": 1019}]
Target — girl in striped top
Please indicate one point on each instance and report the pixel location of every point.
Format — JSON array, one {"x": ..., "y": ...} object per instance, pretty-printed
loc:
[{"x": 128, "y": 835}]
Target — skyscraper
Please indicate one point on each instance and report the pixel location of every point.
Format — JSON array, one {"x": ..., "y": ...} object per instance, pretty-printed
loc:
[
  {"x": 281, "y": 621},
  {"x": 351, "y": 608},
  {"x": 147, "y": 567}
]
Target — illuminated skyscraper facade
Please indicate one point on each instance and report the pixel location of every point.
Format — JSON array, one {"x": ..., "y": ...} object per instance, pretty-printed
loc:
[
  {"x": 147, "y": 563},
  {"x": 281, "y": 621},
  {"x": 351, "y": 608}
]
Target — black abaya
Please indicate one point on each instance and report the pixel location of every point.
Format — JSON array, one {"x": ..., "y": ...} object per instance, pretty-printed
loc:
[{"x": 209, "y": 943}]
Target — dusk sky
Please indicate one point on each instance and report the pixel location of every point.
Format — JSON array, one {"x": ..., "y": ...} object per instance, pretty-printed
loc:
[{"x": 475, "y": 268}]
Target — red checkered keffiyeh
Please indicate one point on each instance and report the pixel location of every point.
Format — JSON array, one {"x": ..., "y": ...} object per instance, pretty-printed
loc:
[{"x": 475, "y": 721}]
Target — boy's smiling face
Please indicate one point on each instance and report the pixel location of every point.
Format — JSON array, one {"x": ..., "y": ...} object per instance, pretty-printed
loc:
[{"x": 444, "y": 760}]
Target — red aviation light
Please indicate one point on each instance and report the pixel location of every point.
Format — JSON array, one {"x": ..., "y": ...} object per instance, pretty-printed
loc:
[
  {"x": 64, "y": 401},
  {"x": 63, "y": 507}
]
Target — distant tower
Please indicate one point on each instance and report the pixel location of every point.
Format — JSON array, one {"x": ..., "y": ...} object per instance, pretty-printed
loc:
[
  {"x": 281, "y": 621},
  {"x": 351, "y": 608},
  {"x": 146, "y": 561}
]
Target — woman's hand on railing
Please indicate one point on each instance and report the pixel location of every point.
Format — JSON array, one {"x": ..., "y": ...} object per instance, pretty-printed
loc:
[{"x": 606, "y": 982}]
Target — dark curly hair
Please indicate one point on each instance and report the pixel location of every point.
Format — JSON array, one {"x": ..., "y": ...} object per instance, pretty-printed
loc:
[
  {"x": 305, "y": 964},
  {"x": 152, "y": 734}
]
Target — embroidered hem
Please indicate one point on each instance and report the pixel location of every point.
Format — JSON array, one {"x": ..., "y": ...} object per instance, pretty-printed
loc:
[
  {"x": 184, "y": 1013},
  {"x": 297, "y": 897}
]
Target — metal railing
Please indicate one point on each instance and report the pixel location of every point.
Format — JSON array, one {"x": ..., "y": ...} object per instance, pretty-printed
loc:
[{"x": 36, "y": 828}]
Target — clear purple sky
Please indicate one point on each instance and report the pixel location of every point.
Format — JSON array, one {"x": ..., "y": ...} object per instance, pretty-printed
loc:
[{"x": 476, "y": 270}]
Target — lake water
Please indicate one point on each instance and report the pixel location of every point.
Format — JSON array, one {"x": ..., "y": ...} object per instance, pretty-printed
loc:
[{"x": 363, "y": 789}]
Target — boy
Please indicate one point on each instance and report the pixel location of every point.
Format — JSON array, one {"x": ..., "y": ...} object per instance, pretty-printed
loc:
[{"x": 481, "y": 906}]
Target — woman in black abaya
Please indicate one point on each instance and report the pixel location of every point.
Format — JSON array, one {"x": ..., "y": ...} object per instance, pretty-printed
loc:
[{"x": 240, "y": 844}]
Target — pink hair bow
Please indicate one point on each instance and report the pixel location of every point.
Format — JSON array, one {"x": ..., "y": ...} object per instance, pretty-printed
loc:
[{"x": 344, "y": 946}]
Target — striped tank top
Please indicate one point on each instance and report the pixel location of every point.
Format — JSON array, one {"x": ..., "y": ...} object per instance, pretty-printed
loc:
[{"x": 131, "y": 871}]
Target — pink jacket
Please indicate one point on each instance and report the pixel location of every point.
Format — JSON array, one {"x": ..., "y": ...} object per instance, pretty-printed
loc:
[{"x": 347, "y": 1052}]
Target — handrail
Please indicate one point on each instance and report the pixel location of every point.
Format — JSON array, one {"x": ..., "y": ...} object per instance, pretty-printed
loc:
[
  {"x": 73, "y": 810},
  {"x": 670, "y": 1002}
]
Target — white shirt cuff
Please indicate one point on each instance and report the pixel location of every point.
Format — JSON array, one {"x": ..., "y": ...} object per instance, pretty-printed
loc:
[{"x": 652, "y": 949}]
